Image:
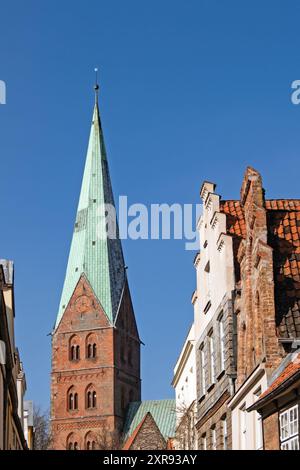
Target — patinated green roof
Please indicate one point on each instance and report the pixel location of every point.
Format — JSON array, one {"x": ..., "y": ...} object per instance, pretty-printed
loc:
[
  {"x": 162, "y": 411},
  {"x": 92, "y": 252}
]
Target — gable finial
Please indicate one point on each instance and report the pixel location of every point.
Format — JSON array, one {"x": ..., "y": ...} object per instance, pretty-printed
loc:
[{"x": 96, "y": 86}]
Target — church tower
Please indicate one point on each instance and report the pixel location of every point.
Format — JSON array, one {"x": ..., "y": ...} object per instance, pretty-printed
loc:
[{"x": 95, "y": 341}]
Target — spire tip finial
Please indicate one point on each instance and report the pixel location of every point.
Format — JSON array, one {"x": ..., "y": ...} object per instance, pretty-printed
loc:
[{"x": 96, "y": 86}]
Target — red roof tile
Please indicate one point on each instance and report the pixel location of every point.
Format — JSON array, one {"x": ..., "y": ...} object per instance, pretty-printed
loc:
[
  {"x": 283, "y": 219},
  {"x": 288, "y": 372}
]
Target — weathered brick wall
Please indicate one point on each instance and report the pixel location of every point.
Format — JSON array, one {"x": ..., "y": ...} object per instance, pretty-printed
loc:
[
  {"x": 271, "y": 432},
  {"x": 105, "y": 373},
  {"x": 257, "y": 338}
]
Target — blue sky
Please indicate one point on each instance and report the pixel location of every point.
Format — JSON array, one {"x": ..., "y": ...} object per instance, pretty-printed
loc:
[{"x": 190, "y": 90}]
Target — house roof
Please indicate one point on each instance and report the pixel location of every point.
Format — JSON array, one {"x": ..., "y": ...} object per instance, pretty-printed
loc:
[
  {"x": 284, "y": 237},
  {"x": 283, "y": 220},
  {"x": 280, "y": 380},
  {"x": 93, "y": 253},
  {"x": 131, "y": 438},
  {"x": 162, "y": 411}
]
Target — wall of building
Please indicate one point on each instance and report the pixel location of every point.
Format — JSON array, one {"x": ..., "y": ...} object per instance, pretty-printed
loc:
[
  {"x": 271, "y": 432},
  {"x": 247, "y": 430},
  {"x": 109, "y": 374},
  {"x": 214, "y": 321},
  {"x": 149, "y": 437}
]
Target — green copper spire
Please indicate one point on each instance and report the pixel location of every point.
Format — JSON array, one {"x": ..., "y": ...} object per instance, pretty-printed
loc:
[{"x": 92, "y": 252}]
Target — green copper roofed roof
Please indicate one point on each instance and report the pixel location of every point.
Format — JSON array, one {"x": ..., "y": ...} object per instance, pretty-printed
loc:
[
  {"x": 163, "y": 412},
  {"x": 92, "y": 252}
]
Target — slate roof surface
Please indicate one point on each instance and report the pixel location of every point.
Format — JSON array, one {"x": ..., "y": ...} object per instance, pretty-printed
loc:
[{"x": 162, "y": 411}]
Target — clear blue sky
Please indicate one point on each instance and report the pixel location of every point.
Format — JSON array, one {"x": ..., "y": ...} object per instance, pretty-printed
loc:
[{"x": 190, "y": 90}]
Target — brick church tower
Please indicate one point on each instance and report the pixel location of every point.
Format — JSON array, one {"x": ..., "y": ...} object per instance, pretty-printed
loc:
[{"x": 95, "y": 341}]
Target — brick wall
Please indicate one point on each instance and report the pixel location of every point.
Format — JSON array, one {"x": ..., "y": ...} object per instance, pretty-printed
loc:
[
  {"x": 271, "y": 432},
  {"x": 114, "y": 380},
  {"x": 257, "y": 337},
  {"x": 149, "y": 436}
]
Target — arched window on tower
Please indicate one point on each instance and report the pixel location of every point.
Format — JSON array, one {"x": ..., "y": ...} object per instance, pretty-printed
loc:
[
  {"x": 72, "y": 399},
  {"x": 91, "y": 397},
  {"x": 90, "y": 441},
  {"x": 72, "y": 442},
  {"x": 91, "y": 346},
  {"x": 74, "y": 348}
]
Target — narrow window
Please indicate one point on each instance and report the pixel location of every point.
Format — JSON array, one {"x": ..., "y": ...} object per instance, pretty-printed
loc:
[
  {"x": 202, "y": 368},
  {"x": 71, "y": 401},
  {"x": 258, "y": 424},
  {"x": 212, "y": 358},
  {"x": 94, "y": 350},
  {"x": 94, "y": 399},
  {"x": 89, "y": 399},
  {"x": 89, "y": 351},
  {"x": 222, "y": 343},
  {"x": 72, "y": 355},
  {"x": 243, "y": 426},
  {"x": 75, "y": 401},
  {"x": 213, "y": 438},
  {"x": 224, "y": 433}
]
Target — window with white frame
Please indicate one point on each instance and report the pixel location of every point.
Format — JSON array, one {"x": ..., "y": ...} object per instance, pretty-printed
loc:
[
  {"x": 213, "y": 438},
  {"x": 258, "y": 424},
  {"x": 224, "y": 433},
  {"x": 212, "y": 358},
  {"x": 202, "y": 368},
  {"x": 289, "y": 428},
  {"x": 243, "y": 427},
  {"x": 222, "y": 342}
]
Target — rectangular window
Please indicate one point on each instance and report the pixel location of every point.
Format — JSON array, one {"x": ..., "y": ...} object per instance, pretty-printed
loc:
[
  {"x": 213, "y": 439},
  {"x": 258, "y": 424},
  {"x": 222, "y": 343},
  {"x": 243, "y": 426},
  {"x": 203, "y": 442},
  {"x": 224, "y": 433},
  {"x": 202, "y": 368},
  {"x": 289, "y": 428},
  {"x": 212, "y": 358}
]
